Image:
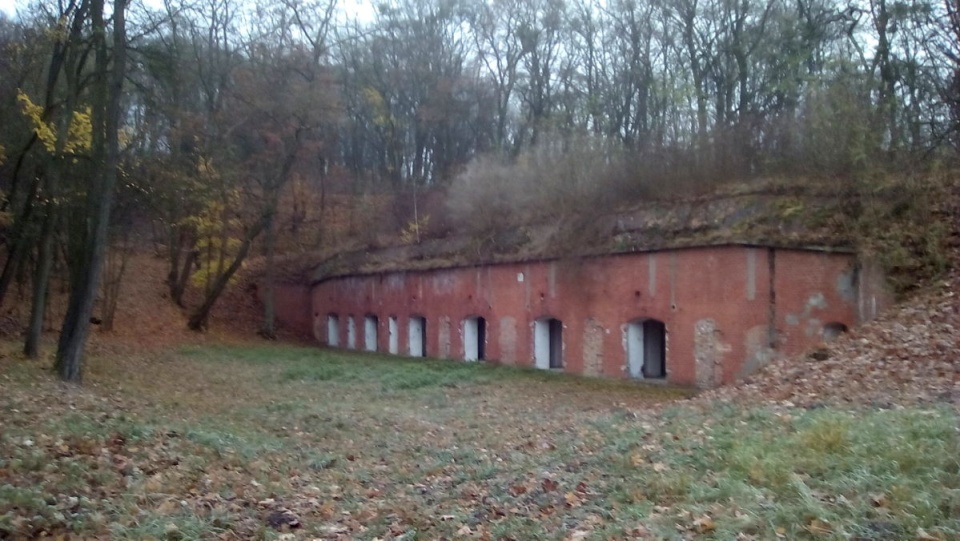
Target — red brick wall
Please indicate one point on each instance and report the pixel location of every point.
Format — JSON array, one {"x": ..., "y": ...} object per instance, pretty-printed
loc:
[
  {"x": 715, "y": 302},
  {"x": 292, "y": 306},
  {"x": 813, "y": 290}
]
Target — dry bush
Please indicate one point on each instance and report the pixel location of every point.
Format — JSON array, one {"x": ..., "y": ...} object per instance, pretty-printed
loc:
[
  {"x": 421, "y": 209},
  {"x": 491, "y": 194},
  {"x": 567, "y": 181},
  {"x": 907, "y": 222}
]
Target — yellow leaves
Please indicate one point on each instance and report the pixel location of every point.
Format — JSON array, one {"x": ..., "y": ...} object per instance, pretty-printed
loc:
[
  {"x": 35, "y": 113},
  {"x": 205, "y": 168},
  {"x": 61, "y": 31},
  {"x": 213, "y": 227},
  {"x": 79, "y": 129},
  {"x": 373, "y": 98},
  {"x": 412, "y": 232}
]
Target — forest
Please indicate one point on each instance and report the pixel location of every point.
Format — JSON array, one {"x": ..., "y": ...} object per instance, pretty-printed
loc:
[{"x": 224, "y": 128}]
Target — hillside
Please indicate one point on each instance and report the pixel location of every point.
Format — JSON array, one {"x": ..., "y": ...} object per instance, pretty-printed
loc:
[{"x": 147, "y": 320}]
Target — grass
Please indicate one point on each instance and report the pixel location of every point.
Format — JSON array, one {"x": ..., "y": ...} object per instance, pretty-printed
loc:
[
  {"x": 221, "y": 441},
  {"x": 825, "y": 474}
]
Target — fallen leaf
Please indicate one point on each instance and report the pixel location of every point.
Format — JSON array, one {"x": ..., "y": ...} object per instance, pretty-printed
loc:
[
  {"x": 704, "y": 524},
  {"x": 516, "y": 490},
  {"x": 819, "y": 527}
]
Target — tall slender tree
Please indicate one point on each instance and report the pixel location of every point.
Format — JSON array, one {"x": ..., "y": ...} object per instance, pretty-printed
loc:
[{"x": 108, "y": 36}]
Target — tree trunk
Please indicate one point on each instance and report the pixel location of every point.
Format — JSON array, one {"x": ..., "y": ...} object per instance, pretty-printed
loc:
[
  {"x": 178, "y": 287},
  {"x": 108, "y": 87},
  {"x": 174, "y": 243},
  {"x": 269, "y": 329},
  {"x": 41, "y": 286},
  {"x": 116, "y": 266},
  {"x": 198, "y": 321},
  {"x": 21, "y": 238}
]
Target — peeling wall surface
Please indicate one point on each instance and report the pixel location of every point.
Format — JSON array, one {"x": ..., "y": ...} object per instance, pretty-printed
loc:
[
  {"x": 726, "y": 310},
  {"x": 593, "y": 347}
]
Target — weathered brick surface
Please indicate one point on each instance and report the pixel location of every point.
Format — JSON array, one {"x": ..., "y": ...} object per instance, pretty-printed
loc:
[
  {"x": 754, "y": 303},
  {"x": 293, "y": 309}
]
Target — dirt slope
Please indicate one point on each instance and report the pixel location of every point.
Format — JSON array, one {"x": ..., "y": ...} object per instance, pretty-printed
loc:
[
  {"x": 146, "y": 319},
  {"x": 910, "y": 355}
]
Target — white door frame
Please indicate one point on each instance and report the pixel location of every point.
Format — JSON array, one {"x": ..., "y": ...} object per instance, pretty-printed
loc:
[
  {"x": 370, "y": 324},
  {"x": 333, "y": 330},
  {"x": 415, "y": 329}
]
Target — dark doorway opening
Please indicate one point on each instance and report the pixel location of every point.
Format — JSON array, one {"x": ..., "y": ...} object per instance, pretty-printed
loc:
[
  {"x": 646, "y": 349},
  {"x": 548, "y": 343},
  {"x": 474, "y": 339}
]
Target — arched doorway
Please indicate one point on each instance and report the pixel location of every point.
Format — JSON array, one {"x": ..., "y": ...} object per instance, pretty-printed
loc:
[
  {"x": 474, "y": 338},
  {"x": 548, "y": 343},
  {"x": 832, "y": 331},
  {"x": 646, "y": 349},
  {"x": 333, "y": 330},
  {"x": 370, "y": 325},
  {"x": 417, "y": 336}
]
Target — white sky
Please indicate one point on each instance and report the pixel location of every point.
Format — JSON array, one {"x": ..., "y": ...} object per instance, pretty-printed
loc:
[
  {"x": 362, "y": 9},
  {"x": 8, "y": 7}
]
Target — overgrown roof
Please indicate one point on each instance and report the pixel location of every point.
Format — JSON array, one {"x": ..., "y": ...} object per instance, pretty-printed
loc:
[{"x": 795, "y": 217}]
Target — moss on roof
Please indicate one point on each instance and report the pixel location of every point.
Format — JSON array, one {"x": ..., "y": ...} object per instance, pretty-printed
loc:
[{"x": 800, "y": 218}]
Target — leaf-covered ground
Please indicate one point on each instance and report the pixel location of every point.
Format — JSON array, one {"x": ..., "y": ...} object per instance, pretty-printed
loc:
[
  {"x": 908, "y": 356},
  {"x": 282, "y": 442}
]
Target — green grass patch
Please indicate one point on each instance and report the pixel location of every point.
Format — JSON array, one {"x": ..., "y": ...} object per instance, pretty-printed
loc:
[
  {"x": 822, "y": 474},
  {"x": 312, "y": 365}
]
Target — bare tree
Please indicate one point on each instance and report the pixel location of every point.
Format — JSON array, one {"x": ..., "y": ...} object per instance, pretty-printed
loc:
[{"x": 89, "y": 249}]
